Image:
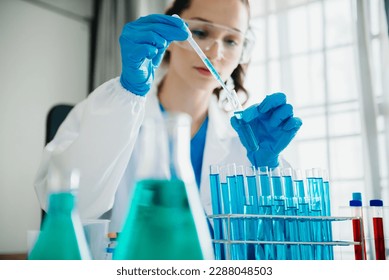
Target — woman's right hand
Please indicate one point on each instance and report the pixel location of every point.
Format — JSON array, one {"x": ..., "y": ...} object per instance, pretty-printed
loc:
[{"x": 143, "y": 43}]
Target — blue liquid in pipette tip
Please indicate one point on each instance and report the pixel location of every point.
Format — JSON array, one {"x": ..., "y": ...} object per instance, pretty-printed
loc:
[{"x": 213, "y": 70}]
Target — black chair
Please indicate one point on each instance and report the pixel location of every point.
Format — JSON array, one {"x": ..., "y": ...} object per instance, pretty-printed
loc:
[{"x": 55, "y": 117}]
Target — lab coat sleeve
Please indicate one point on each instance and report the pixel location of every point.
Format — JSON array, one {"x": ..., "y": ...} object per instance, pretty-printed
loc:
[{"x": 97, "y": 138}]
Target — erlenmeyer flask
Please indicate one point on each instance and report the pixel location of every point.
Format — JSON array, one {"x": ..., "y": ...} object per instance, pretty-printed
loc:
[
  {"x": 62, "y": 236},
  {"x": 165, "y": 218}
]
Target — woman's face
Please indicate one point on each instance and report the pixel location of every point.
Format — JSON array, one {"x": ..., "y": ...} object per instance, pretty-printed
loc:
[{"x": 187, "y": 65}]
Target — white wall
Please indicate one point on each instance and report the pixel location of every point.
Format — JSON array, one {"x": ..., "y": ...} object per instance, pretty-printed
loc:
[{"x": 44, "y": 58}]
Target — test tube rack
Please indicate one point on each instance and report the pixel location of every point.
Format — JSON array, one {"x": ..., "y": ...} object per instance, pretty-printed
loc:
[{"x": 237, "y": 249}]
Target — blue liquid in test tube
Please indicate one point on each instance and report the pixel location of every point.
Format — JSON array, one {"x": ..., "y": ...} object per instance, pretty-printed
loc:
[
  {"x": 279, "y": 229},
  {"x": 240, "y": 189},
  {"x": 304, "y": 225},
  {"x": 230, "y": 202},
  {"x": 252, "y": 187},
  {"x": 315, "y": 188},
  {"x": 250, "y": 230},
  {"x": 327, "y": 211},
  {"x": 251, "y": 208},
  {"x": 265, "y": 226},
  {"x": 291, "y": 225},
  {"x": 249, "y": 137},
  {"x": 241, "y": 201},
  {"x": 214, "y": 178}
]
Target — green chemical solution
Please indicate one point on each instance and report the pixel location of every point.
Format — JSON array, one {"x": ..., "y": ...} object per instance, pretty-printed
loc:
[
  {"x": 159, "y": 225},
  {"x": 61, "y": 237}
]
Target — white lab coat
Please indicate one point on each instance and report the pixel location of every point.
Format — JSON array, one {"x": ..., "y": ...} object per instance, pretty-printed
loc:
[{"x": 99, "y": 139}]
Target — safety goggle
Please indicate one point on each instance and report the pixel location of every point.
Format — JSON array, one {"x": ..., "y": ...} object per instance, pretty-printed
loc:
[{"x": 232, "y": 44}]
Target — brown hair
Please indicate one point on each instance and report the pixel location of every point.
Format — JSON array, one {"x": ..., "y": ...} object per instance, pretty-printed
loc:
[{"x": 238, "y": 75}]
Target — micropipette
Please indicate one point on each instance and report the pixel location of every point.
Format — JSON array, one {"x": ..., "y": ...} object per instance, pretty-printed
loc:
[
  {"x": 231, "y": 94},
  {"x": 252, "y": 144}
]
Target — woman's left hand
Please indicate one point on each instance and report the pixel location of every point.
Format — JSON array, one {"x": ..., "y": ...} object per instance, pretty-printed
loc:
[{"x": 273, "y": 126}]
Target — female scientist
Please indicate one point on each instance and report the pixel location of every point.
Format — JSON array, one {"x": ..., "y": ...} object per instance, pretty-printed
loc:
[{"x": 99, "y": 135}]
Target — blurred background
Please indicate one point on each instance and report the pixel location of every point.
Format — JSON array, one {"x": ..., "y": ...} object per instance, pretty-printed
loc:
[{"x": 331, "y": 58}]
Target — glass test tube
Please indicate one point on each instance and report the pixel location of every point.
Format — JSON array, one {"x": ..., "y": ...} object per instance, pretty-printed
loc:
[
  {"x": 291, "y": 225},
  {"x": 265, "y": 226},
  {"x": 358, "y": 196},
  {"x": 241, "y": 201},
  {"x": 252, "y": 188},
  {"x": 378, "y": 227},
  {"x": 230, "y": 198},
  {"x": 304, "y": 225},
  {"x": 249, "y": 226},
  {"x": 225, "y": 209},
  {"x": 279, "y": 229},
  {"x": 314, "y": 189},
  {"x": 240, "y": 189},
  {"x": 251, "y": 207},
  {"x": 358, "y": 231},
  {"x": 326, "y": 202},
  {"x": 214, "y": 178},
  {"x": 250, "y": 139},
  {"x": 232, "y": 189}
]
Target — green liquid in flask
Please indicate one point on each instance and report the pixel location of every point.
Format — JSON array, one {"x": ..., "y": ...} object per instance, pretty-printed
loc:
[{"x": 160, "y": 225}]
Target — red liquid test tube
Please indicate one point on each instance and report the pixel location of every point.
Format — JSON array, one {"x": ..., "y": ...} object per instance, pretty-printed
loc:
[
  {"x": 358, "y": 231},
  {"x": 378, "y": 227}
]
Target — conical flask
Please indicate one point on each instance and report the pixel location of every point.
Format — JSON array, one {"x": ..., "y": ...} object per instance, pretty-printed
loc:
[
  {"x": 62, "y": 236},
  {"x": 166, "y": 220}
]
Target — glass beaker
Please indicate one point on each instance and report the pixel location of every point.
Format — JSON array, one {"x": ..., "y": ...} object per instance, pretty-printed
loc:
[{"x": 166, "y": 219}]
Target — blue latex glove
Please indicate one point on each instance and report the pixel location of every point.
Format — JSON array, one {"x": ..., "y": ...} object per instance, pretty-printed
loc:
[
  {"x": 273, "y": 126},
  {"x": 143, "y": 43}
]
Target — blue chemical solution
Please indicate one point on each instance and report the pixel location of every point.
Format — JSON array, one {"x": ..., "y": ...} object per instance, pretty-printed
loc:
[
  {"x": 304, "y": 226},
  {"x": 291, "y": 225},
  {"x": 212, "y": 70},
  {"x": 265, "y": 186},
  {"x": 318, "y": 228},
  {"x": 279, "y": 229},
  {"x": 252, "y": 224},
  {"x": 251, "y": 142},
  {"x": 252, "y": 192},
  {"x": 265, "y": 226},
  {"x": 232, "y": 230},
  {"x": 216, "y": 209},
  {"x": 265, "y": 233},
  {"x": 327, "y": 207},
  {"x": 240, "y": 191},
  {"x": 250, "y": 229}
]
